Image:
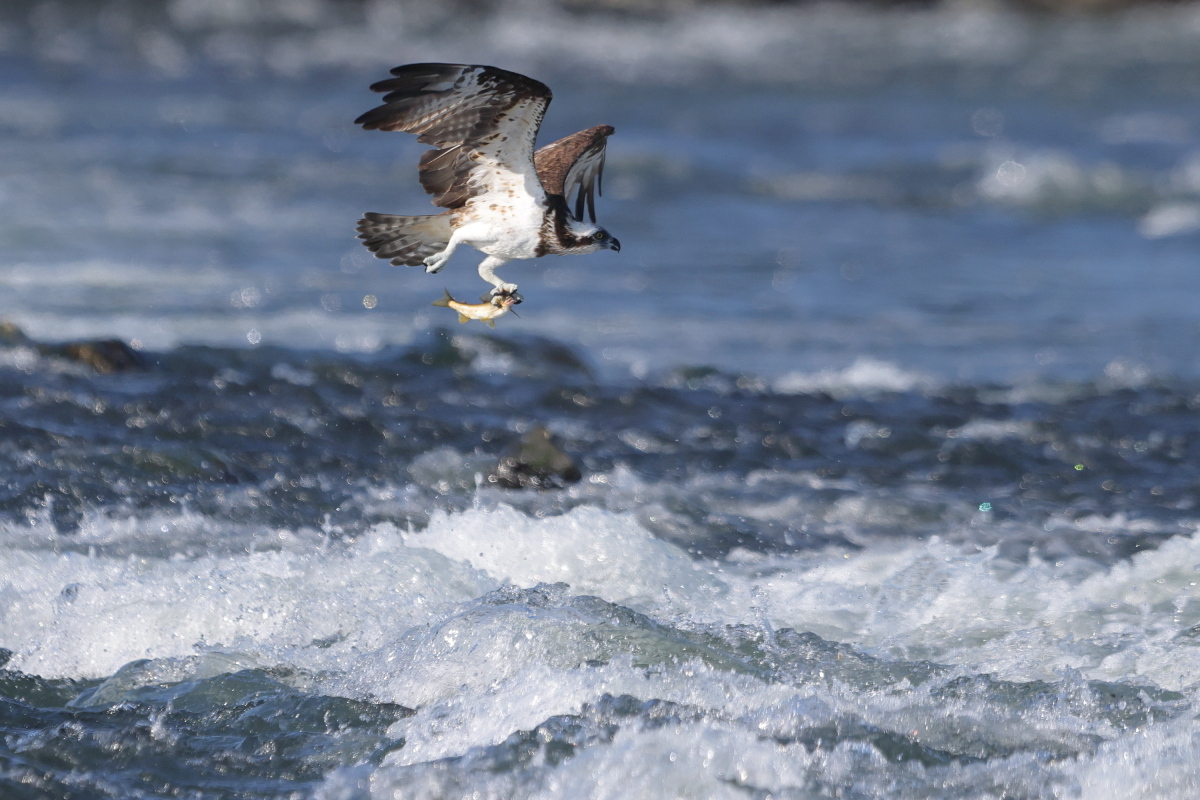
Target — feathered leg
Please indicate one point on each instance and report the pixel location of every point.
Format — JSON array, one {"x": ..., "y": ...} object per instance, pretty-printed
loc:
[
  {"x": 438, "y": 260},
  {"x": 487, "y": 271}
]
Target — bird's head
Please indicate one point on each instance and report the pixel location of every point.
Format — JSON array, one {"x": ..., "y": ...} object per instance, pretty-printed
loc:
[{"x": 590, "y": 237}]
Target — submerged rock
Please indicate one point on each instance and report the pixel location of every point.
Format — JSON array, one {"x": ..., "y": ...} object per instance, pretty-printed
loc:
[
  {"x": 12, "y": 336},
  {"x": 103, "y": 355},
  {"x": 535, "y": 462}
]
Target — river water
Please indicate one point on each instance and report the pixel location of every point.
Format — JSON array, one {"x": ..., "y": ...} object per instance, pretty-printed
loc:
[{"x": 886, "y": 412}]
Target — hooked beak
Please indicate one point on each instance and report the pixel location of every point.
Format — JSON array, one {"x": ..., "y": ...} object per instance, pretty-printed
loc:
[{"x": 613, "y": 244}]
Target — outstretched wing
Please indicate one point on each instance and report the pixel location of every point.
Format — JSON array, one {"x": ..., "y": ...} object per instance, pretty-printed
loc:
[
  {"x": 483, "y": 120},
  {"x": 575, "y": 165}
]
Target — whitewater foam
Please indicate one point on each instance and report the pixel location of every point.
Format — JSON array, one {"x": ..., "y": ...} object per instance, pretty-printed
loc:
[
  {"x": 69, "y": 614},
  {"x": 927, "y": 600},
  {"x": 437, "y": 620},
  {"x": 865, "y": 375}
]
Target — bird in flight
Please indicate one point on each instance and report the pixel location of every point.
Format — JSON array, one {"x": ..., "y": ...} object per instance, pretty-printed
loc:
[{"x": 501, "y": 197}]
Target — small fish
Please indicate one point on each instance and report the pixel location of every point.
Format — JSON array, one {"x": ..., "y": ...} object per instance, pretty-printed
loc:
[{"x": 484, "y": 312}]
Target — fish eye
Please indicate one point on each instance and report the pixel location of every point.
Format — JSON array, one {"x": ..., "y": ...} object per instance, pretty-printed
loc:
[{"x": 598, "y": 236}]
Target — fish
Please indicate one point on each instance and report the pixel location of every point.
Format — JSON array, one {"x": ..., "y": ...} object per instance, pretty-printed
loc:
[{"x": 484, "y": 312}]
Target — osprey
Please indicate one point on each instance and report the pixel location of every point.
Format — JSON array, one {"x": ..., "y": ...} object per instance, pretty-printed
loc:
[{"x": 500, "y": 196}]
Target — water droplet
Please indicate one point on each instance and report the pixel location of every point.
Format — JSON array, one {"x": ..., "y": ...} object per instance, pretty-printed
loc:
[{"x": 1010, "y": 173}]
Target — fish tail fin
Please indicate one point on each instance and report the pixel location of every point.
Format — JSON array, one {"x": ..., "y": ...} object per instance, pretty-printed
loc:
[
  {"x": 491, "y": 323},
  {"x": 445, "y": 301},
  {"x": 463, "y": 318}
]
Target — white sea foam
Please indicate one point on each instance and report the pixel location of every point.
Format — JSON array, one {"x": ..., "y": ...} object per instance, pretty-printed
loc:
[
  {"x": 589, "y": 549},
  {"x": 1054, "y": 178},
  {"x": 865, "y": 375},
  {"x": 1170, "y": 219},
  {"x": 71, "y": 614},
  {"x": 1161, "y": 761},
  {"x": 927, "y": 600},
  {"x": 394, "y": 617},
  {"x": 994, "y": 430}
]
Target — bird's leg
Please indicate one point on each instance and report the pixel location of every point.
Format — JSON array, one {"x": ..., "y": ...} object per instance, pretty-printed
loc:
[
  {"x": 487, "y": 271},
  {"x": 438, "y": 260}
]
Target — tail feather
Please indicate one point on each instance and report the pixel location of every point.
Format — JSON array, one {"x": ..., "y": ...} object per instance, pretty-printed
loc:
[{"x": 404, "y": 240}]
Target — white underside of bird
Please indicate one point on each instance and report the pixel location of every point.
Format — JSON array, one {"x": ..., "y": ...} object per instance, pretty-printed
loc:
[{"x": 504, "y": 223}]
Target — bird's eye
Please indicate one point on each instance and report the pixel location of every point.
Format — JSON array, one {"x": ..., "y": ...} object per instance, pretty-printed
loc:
[{"x": 598, "y": 236}]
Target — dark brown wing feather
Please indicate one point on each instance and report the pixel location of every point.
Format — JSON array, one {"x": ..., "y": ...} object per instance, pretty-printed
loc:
[
  {"x": 575, "y": 165},
  {"x": 471, "y": 113}
]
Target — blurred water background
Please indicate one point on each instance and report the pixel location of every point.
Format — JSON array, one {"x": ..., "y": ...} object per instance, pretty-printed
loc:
[{"x": 886, "y": 411}]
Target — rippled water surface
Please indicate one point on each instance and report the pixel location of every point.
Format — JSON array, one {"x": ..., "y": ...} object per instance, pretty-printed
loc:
[{"x": 886, "y": 413}]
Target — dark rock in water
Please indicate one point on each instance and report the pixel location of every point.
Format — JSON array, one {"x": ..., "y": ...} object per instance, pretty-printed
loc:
[
  {"x": 535, "y": 462},
  {"x": 104, "y": 355},
  {"x": 12, "y": 336}
]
